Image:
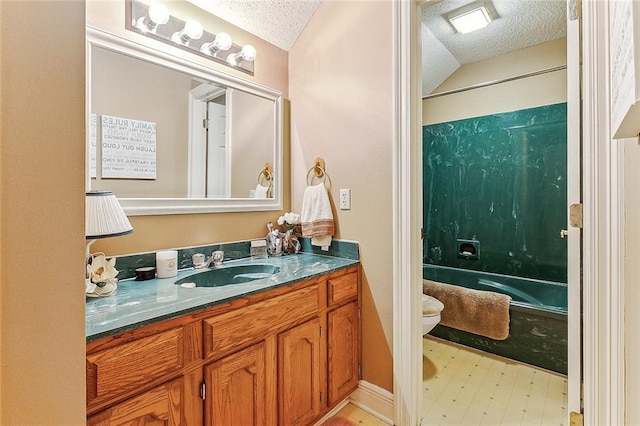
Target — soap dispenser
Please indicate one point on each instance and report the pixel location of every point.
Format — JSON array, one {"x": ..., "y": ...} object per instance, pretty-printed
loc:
[{"x": 274, "y": 241}]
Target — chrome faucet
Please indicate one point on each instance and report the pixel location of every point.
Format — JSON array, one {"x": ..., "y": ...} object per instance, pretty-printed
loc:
[{"x": 214, "y": 261}]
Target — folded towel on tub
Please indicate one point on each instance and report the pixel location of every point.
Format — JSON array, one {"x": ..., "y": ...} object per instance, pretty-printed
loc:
[
  {"x": 316, "y": 216},
  {"x": 479, "y": 312}
]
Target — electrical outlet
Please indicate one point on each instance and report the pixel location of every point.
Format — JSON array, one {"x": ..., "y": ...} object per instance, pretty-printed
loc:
[{"x": 345, "y": 199}]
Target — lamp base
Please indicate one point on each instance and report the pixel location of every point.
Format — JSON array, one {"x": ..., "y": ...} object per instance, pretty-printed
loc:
[{"x": 93, "y": 290}]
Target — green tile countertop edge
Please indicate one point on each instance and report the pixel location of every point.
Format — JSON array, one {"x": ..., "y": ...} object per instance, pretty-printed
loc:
[{"x": 140, "y": 303}]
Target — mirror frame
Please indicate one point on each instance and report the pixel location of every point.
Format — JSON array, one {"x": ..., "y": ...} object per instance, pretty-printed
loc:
[{"x": 169, "y": 206}]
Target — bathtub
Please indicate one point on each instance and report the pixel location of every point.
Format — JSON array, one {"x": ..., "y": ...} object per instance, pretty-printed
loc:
[{"x": 538, "y": 316}]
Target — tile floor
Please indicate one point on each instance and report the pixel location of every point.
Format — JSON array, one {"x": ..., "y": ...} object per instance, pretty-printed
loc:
[
  {"x": 463, "y": 386},
  {"x": 359, "y": 416}
]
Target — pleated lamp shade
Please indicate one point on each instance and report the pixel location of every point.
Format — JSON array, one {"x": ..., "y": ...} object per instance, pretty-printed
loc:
[{"x": 104, "y": 216}]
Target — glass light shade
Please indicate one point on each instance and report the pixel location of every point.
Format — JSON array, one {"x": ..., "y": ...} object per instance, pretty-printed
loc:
[
  {"x": 248, "y": 52},
  {"x": 104, "y": 216},
  {"x": 192, "y": 29},
  {"x": 222, "y": 41},
  {"x": 232, "y": 59},
  {"x": 158, "y": 13}
]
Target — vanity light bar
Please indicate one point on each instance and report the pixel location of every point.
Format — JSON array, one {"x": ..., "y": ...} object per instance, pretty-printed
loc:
[{"x": 155, "y": 21}]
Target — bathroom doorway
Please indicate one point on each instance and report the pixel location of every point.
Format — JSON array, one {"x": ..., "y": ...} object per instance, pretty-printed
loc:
[{"x": 454, "y": 77}]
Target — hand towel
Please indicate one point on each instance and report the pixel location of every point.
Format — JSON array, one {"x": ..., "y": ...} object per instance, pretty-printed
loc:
[
  {"x": 261, "y": 191},
  {"x": 316, "y": 216}
]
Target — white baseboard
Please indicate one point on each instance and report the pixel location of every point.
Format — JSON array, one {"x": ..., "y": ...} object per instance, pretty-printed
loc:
[{"x": 374, "y": 400}]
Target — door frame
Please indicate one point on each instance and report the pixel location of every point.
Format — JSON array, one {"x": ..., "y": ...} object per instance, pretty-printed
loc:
[
  {"x": 602, "y": 293},
  {"x": 603, "y": 243},
  {"x": 574, "y": 234},
  {"x": 407, "y": 214}
]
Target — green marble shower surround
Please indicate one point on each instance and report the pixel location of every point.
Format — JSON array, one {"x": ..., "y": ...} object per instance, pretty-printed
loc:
[{"x": 500, "y": 180}]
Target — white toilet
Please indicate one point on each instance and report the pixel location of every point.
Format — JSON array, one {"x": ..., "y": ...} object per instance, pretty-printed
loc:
[{"x": 431, "y": 308}]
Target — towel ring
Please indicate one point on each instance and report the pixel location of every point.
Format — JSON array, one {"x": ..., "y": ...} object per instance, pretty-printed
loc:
[
  {"x": 265, "y": 175},
  {"x": 318, "y": 172}
]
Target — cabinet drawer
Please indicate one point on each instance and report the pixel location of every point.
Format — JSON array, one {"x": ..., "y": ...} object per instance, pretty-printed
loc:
[
  {"x": 121, "y": 369},
  {"x": 226, "y": 332},
  {"x": 342, "y": 289},
  {"x": 161, "y": 405}
]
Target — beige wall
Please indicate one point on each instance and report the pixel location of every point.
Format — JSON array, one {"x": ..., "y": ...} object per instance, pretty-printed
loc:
[
  {"x": 529, "y": 92},
  {"x": 252, "y": 131},
  {"x": 271, "y": 69},
  {"x": 127, "y": 87},
  {"x": 340, "y": 84},
  {"x": 42, "y": 213},
  {"x": 631, "y": 197}
]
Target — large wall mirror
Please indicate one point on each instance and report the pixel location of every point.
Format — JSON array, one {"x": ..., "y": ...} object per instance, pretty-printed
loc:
[{"x": 169, "y": 136}]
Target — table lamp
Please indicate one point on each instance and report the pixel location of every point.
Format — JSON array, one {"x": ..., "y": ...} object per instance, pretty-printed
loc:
[{"x": 104, "y": 218}]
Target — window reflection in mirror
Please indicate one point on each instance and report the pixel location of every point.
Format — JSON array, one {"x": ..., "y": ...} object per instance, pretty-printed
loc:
[{"x": 211, "y": 141}]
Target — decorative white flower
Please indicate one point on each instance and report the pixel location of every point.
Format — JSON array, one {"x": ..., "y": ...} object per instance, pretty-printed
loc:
[
  {"x": 289, "y": 218},
  {"x": 294, "y": 218},
  {"x": 102, "y": 271}
]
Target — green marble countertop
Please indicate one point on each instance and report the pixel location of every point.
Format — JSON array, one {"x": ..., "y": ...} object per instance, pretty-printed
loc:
[{"x": 139, "y": 303}]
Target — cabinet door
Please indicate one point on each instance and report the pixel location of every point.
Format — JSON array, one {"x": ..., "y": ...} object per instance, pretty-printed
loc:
[
  {"x": 159, "y": 406},
  {"x": 299, "y": 374},
  {"x": 239, "y": 387},
  {"x": 342, "y": 350}
]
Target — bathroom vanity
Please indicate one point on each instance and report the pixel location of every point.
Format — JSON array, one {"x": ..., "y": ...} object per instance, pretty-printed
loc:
[{"x": 285, "y": 352}]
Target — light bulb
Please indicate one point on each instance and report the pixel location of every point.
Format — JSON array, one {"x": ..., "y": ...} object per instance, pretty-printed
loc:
[
  {"x": 248, "y": 52},
  {"x": 233, "y": 60},
  {"x": 222, "y": 41},
  {"x": 158, "y": 13},
  {"x": 192, "y": 31}
]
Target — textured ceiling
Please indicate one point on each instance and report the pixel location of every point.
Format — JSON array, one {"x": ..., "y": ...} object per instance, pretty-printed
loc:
[
  {"x": 519, "y": 24},
  {"x": 280, "y": 22}
]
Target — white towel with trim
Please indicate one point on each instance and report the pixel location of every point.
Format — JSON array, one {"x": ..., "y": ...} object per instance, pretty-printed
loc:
[
  {"x": 316, "y": 216},
  {"x": 261, "y": 191}
]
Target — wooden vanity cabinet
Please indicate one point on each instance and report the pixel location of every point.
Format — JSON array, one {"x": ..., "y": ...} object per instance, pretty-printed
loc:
[
  {"x": 343, "y": 341},
  {"x": 343, "y": 355},
  {"x": 300, "y": 374},
  {"x": 241, "y": 389},
  {"x": 159, "y": 406},
  {"x": 282, "y": 357}
]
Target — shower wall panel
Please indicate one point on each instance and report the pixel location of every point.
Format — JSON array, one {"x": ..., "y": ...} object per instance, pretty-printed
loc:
[{"x": 500, "y": 180}]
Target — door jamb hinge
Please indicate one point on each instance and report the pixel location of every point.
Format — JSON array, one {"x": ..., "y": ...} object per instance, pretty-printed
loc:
[
  {"x": 576, "y": 419},
  {"x": 575, "y": 215},
  {"x": 203, "y": 391}
]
